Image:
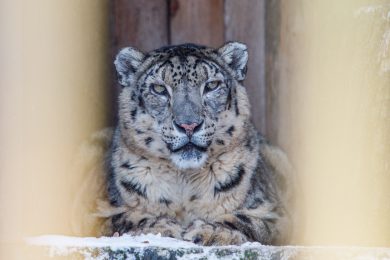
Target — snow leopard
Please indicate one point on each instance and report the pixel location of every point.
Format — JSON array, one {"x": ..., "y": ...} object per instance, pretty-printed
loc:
[{"x": 185, "y": 160}]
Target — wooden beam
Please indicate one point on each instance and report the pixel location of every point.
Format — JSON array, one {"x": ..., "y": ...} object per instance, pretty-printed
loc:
[
  {"x": 244, "y": 22},
  {"x": 141, "y": 24},
  {"x": 197, "y": 21},
  {"x": 137, "y": 23},
  {"x": 272, "y": 72}
]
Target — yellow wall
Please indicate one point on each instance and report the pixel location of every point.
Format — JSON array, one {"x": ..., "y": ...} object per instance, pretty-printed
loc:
[
  {"x": 52, "y": 97},
  {"x": 335, "y": 109}
]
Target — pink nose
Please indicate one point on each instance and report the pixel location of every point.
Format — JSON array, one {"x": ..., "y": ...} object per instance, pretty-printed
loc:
[{"x": 189, "y": 128}]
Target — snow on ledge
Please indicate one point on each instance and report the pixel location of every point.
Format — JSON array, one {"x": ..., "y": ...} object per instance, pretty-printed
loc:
[
  {"x": 114, "y": 243},
  {"x": 150, "y": 247},
  {"x": 157, "y": 247}
]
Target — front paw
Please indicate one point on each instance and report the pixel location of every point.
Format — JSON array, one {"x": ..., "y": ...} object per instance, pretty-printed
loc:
[
  {"x": 212, "y": 234},
  {"x": 165, "y": 226}
]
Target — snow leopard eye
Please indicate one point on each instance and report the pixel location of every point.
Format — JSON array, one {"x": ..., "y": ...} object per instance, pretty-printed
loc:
[
  {"x": 212, "y": 85},
  {"x": 159, "y": 89}
]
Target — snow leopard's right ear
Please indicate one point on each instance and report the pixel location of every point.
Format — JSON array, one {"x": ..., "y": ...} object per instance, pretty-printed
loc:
[
  {"x": 235, "y": 55},
  {"x": 126, "y": 63}
]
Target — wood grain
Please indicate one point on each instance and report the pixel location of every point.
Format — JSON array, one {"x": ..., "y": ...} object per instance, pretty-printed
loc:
[
  {"x": 197, "y": 21},
  {"x": 245, "y": 22},
  {"x": 141, "y": 24},
  {"x": 137, "y": 23},
  {"x": 272, "y": 71}
]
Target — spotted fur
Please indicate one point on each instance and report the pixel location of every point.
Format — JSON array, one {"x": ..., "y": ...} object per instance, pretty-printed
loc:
[{"x": 185, "y": 159}]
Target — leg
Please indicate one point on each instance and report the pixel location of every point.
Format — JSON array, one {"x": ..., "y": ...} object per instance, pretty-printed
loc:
[
  {"x": 235, "y": 229},
  {"x": 205, "y": 233},
  {"x": 165, "y": 225}
]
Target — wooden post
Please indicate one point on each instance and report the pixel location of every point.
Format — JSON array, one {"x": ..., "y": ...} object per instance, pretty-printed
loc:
[
  {"x": 196, "y": 21},
  {"x": 245, "y": 22},
  {"x": 137, "y": 23}
]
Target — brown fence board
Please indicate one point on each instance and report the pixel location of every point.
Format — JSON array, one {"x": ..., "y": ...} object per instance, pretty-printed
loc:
[
  {"x": 197, "y": 21},
  {"x": 141, "y": 24},
  {"x": 244, "y": 22},
  {"x": 138, "y": 23},
  {"x": 272, "y": 71}
]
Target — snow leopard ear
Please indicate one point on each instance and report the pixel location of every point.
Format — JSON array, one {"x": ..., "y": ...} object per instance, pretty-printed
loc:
[
  {"x": 126, "y": 63},
  {"x": 235, "y": 54}
]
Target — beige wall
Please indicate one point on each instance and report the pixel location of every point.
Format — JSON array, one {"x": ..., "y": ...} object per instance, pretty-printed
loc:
[
  {"x": 52, "y": 97},
  {"x": 334, "y": 117}
]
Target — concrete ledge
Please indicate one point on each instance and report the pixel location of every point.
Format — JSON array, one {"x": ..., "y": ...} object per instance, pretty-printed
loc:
[{"x": 157, "y": 247}]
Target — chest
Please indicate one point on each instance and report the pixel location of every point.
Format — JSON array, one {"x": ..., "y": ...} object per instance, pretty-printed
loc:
[{"x": 159, "y": 187}]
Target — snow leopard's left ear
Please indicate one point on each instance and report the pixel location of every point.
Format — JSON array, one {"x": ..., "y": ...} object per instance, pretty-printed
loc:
[
  {"x": 127, "y": 62},
  {"x": 235, "y": 54}
]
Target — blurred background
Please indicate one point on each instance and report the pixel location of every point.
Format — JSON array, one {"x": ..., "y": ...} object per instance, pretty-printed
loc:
[{"x": 318, "y": 81}]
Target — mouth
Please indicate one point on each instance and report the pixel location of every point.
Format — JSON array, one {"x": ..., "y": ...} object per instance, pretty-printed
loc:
[
  {"x": 189, "y": 147},
  {"x": 189, "y": 155}
]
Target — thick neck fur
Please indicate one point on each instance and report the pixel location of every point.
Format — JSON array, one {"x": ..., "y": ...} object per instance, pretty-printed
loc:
[{"x": 159, "y": 180}]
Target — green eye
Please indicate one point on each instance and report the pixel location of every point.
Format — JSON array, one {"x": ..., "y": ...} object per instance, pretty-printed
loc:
[
  {"x": 210, "y": 86},
  {"x": 159, "y": 89}
]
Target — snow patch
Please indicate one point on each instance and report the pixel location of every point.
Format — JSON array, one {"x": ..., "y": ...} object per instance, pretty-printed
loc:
[
  {"x": 128, "y": 247},
  {"x": 157, "y": 247},
  {"x": 384, "y": 12},
  {"x": 112, "y": 242}
]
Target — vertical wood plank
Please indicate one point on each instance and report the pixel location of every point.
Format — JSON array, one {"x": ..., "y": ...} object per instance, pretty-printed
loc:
[
  {"x": 280, "y": 37},
  {"x": 137, "y": 23},
  {"x": 141, "y": 24},
  {"x": 272, "y": 72},
  {"x": 245, "y": 22},
  {"x": 197, "y": 21}
]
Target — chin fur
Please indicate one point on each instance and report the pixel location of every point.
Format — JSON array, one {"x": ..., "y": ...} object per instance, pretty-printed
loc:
[{"x": 185, "y": 162}]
